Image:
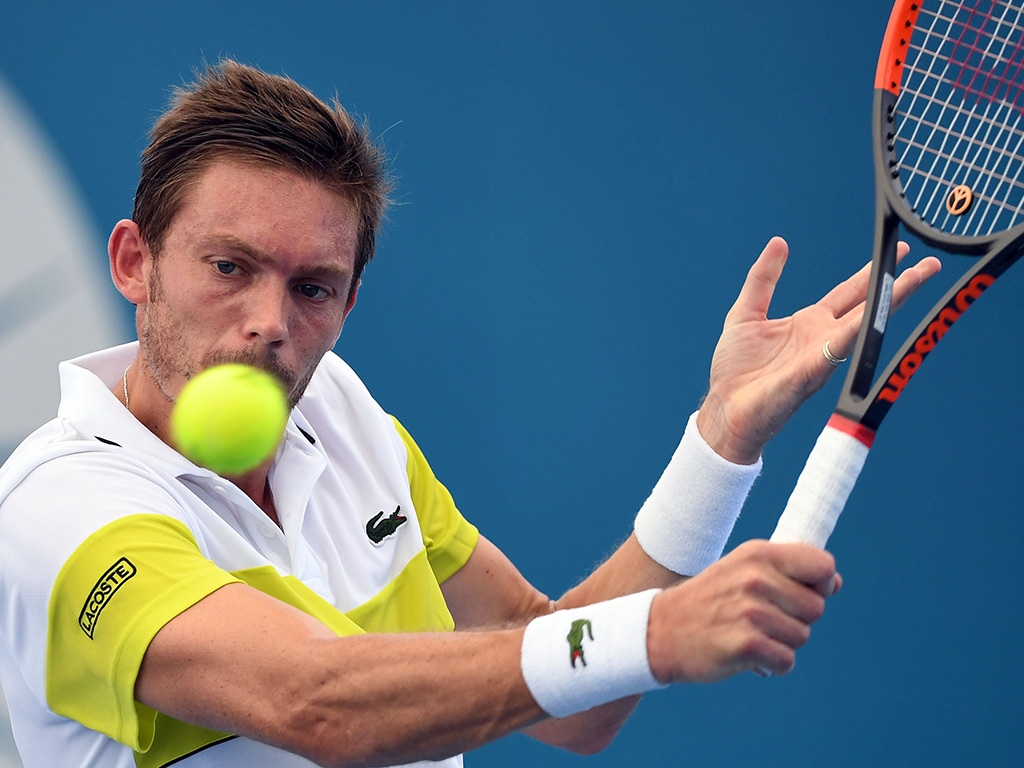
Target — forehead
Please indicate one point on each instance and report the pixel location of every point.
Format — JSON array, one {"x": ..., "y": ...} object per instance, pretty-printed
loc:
[{"x": 278, "y": 213}]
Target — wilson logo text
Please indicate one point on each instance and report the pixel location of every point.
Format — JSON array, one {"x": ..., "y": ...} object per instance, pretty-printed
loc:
[{"x": 932, "y": 334}]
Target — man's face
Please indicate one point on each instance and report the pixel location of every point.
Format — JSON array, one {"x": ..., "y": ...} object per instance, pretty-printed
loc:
[{"x": 256, "y": 267}]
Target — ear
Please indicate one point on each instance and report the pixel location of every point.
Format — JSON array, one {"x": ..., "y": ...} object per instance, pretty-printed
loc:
[
  {"x": 348, "y": 308},
  {"x": 351, "y": 299},
  {"x": 129, "y": 261}
]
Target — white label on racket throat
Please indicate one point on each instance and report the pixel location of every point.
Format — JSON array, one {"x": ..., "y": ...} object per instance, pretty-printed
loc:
[{"x": 884, "y": 302}]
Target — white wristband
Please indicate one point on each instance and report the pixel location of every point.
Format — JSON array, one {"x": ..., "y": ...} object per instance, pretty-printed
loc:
[
  {"x": 687, "y": 519},
  {"x": 577, "y": 659}
]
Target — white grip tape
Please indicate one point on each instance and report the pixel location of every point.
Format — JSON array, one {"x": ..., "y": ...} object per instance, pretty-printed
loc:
[
  {"x": 822, "y": 488},
  {"x": 576, "y": 659},
  {"x": 686, "y": 521}
]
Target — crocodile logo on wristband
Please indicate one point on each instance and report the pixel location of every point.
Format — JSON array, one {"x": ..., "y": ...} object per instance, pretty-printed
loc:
[{"x": 575, "y": 638}]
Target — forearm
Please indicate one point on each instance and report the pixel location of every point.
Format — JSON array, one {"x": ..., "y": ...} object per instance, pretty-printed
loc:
[
  {"x": 588, "y": 732},
  {"x": 241, "y": 662},
  {"x": 681, "y": 528},
  {"x": 630, "y": 569},
  {"x": 490, "y": 592},
  {"x": 401, "y": 698},
  {"x": 693, "y": 508}
]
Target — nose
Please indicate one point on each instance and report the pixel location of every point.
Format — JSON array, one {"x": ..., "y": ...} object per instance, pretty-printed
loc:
[{"x": 267, "y": 315}]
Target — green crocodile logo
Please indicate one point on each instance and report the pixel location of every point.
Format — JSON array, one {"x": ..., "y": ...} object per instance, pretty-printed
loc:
[
  {"x": 378, "y": 529},
  {"x": 575, "y": 638}
]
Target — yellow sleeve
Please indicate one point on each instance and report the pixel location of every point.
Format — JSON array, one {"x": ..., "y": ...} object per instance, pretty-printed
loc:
[
  {"x": 114, "y": 593},
  {"x": 448, "y": 537}
]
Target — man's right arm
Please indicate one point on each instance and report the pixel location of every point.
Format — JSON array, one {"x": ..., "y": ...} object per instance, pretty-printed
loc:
[{"x": 243, "y": 662}]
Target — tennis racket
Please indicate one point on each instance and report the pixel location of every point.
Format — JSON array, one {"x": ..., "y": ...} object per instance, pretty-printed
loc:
[{"x": 949, "y": 155}]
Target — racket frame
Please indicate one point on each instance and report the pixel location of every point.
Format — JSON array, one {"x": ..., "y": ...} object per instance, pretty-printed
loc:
[
  {"x": 864, "y": 397},
  {"x": 835, "y": 462}
]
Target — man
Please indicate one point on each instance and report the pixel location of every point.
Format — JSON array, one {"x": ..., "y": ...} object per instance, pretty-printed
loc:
[{"x": 155, "y": 613}]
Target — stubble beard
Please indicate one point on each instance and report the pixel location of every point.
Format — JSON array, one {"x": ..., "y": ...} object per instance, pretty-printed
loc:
[{"x": 166, "y": 356}]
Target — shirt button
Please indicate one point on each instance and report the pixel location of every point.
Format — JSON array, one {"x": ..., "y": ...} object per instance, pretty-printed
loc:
[{"x": 268, "y": 531}]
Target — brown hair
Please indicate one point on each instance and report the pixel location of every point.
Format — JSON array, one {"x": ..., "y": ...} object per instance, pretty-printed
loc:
[{"x": 236, "y": 112}]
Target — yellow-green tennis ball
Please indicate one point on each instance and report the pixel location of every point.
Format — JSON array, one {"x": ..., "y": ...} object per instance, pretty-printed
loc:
[{"x": 230, "y": 418}]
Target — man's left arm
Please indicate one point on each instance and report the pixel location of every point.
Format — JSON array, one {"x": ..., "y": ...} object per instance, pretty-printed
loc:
[
  {"x": 490, "y": 592},
  {"x": 762, "y": 371}
]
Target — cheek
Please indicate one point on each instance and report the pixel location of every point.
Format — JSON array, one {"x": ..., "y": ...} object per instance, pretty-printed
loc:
[
  {"x": 315, "y": 340},
  {"x": 324, "y": 339},
  {"x": 320, "y": 323},
  {"x": 184, "y": 319}
]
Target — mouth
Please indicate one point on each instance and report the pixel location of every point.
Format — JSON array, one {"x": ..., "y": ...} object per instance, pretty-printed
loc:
[{"x": 265, "y": 360}]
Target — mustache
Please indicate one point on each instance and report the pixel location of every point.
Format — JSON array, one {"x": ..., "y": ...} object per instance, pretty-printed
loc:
[{"x": 263, "y": 359}]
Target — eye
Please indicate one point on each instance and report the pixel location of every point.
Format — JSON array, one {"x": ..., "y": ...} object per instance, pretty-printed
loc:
[
  {"x": 311, "y": 291},
  {"x": 226, "y": 267}
]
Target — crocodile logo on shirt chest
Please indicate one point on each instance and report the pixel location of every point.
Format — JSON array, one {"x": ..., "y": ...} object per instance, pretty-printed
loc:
[{"x": 379, "y": 527}]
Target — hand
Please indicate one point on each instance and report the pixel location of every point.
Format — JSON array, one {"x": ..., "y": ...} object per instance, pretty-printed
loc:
[
  {"x": 750, "y": 610},
  {"x": 763, "y": 370}
]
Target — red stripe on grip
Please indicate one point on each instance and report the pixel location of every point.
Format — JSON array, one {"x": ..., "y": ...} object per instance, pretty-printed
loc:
[{"x": 853, "y": 428}]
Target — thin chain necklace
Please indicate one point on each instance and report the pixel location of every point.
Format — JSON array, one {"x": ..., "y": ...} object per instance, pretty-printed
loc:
[{"x": 124, "y": 381}]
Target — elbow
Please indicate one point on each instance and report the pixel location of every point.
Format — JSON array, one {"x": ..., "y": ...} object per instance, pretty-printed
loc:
[
  {"x": 594, "y": 738},
  {"x": 593, "y": 731},
  {"x": 591, "y": 745},
  {"x": 583, "y": 742},
  {"x": 586, "y": 733}
]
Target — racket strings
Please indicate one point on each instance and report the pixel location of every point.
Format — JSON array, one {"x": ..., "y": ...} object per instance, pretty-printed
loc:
[{"x": 959, "y": 123}]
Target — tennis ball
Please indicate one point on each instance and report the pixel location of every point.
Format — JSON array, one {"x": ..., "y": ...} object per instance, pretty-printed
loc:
[{"x": 230, "y": 418}]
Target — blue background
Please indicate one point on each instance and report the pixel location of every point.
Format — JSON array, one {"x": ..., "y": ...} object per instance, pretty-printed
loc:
[{"x": 582, "y": 186}]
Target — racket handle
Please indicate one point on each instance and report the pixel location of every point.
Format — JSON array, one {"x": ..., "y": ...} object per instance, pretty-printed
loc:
[{"x": 825, "y": 483}]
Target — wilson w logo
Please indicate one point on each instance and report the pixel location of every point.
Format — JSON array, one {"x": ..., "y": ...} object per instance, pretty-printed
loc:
[{"x": 932, "y": 335}]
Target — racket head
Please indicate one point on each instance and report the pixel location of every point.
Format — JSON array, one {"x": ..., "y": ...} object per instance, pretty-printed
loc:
[
  {"x": 949, "y": 161},
  {"x": 950, "y": 97}
]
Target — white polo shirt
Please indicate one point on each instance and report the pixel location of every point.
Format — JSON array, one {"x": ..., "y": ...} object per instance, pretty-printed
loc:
[{"x": 106, "y": 533}]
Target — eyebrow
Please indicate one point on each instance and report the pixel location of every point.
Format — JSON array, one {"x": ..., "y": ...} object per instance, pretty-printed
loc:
[{"x": 321, "y": 271}]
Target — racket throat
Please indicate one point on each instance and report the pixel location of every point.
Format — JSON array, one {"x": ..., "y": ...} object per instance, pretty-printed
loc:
[{"x": 877, "y": 306}]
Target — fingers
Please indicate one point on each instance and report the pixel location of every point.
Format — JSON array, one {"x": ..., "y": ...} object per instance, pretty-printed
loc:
[
  {"x": 850, "y": 293},
  {"x": 912, "y": 279},
  {"x": 777, "y": 659},
  {"x": 794, "y": 598},
  {"x": 756, "y": 294},
  {"x": 759, "y": 287},
  {"x": 904, "y": 287},
  {"x": 801, "y": 562},
  {"x": 749, "y": 611},
  {"x": 837, "y": 584}
]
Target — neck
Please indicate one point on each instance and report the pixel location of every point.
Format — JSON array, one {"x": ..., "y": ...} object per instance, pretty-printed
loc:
[
  {"x": 131, "y": 392},
  {"x": 256, "y": 485}
]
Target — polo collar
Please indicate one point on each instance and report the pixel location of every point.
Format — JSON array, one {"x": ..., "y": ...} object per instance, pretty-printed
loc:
[{"x": 88, "y": 402}]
